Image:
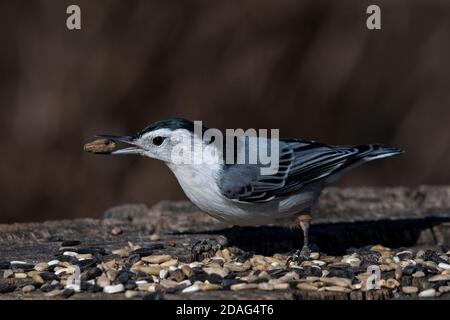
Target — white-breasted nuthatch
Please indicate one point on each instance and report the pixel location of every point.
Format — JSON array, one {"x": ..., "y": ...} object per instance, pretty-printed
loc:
[{"x": 238, "y": 193}]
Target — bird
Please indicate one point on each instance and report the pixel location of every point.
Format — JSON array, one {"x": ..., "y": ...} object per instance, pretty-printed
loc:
[{"x": 239, "y": 193}]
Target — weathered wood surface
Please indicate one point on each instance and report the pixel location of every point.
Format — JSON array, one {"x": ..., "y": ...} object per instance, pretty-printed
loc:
[{"x": 352, "y": 217}]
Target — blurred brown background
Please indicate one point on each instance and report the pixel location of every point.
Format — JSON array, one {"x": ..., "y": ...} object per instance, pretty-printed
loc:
[{"x": 310, "y": 68}]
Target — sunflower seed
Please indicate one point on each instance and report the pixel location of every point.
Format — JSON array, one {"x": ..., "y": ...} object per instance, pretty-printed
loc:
[
  {"x": 410, "y": 290},
  {"x": 114, "y": 289},
  {"x": 429, "y": 293}
]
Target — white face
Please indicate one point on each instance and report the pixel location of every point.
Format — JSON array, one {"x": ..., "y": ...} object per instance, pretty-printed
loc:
[
  {"x": 156, "y": 144},
  {"x": 167, "y": 145}
]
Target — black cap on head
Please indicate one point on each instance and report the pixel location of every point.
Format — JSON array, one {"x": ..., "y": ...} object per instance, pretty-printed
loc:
[{"x": 171, "y": 124}]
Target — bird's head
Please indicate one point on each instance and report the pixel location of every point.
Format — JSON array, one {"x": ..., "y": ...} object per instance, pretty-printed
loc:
[{"x": 167, "y": 140}]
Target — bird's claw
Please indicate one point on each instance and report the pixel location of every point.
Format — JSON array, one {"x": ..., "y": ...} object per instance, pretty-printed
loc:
[{"x": 299, "y": 255}]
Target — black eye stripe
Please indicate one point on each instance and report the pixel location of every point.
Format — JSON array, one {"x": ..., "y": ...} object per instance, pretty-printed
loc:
[{"x": 158, "y": 140}]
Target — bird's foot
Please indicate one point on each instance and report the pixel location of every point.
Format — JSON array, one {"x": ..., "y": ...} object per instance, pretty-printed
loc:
[
  {"x": 299, "y": 255},
  {"x": 206, "y": 248}
]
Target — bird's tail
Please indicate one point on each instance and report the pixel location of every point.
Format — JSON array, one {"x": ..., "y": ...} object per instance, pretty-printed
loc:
[
  {"x": 378, "y": 151},
  {"x": 362, "y": 154}
]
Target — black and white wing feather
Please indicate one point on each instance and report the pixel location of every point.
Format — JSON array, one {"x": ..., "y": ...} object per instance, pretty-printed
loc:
[{"x": 300, "y": 163}]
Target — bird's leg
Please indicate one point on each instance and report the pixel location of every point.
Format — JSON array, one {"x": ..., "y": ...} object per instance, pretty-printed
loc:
[{"x": 303, "y": 222}]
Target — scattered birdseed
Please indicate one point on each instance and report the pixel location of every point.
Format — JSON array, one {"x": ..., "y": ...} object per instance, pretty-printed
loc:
[
  {"x": 410, "y": 290},
  {"x": 114, "y": 288},
  {"x": 444, "y": 289},
  {"x": 429, "y": 293},
  {"x": 41, "y": 266},
  {"x": 391, "y": 283},
  {"x": 130, "y": 294},
  {"x": 440, "y": 277},
  {"x": 154, "y": 237},
  {"x": 307, "y": 287},
  {"x": 244, "y": 286},
  {"x": 157, "y": 259},
  {"x": 418, "y": 274},
  {"x": 53, "y": 293},
  {"x": 335, "y": 281},
  {"x": 53, "y": 263},
  {"x": 336, "y": 289},
  {"x": 28, "y": 288},
  {"x": 67, "y": 293},
  {"x": 194, "y": 288},
  {"x": 444, "y": 266},
  {"x": 134, "y": 269},
  {"x": 116, "y": 231}
]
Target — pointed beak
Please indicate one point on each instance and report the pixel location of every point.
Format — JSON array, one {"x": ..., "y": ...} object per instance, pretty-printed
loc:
[{"x": 135, "y": 149}]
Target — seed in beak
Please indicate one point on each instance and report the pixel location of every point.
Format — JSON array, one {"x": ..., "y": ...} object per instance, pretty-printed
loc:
[{"x": 100, "y": 146}]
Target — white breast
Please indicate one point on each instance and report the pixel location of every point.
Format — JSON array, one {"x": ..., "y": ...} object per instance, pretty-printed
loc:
[{"x": 198, "y": 183}]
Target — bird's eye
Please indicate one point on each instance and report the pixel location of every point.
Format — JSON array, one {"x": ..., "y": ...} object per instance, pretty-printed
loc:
[{"x": 157, "y": 141}]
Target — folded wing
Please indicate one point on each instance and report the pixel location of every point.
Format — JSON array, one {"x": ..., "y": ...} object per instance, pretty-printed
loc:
[{"x": 300, "y": 163}]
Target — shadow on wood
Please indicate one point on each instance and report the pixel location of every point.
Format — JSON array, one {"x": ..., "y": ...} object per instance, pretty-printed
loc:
[{"x": 334, "y": 238}]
